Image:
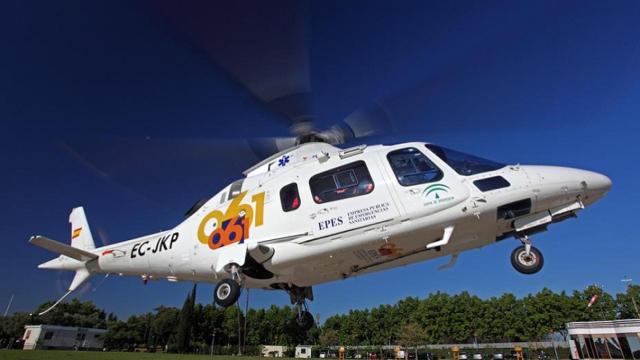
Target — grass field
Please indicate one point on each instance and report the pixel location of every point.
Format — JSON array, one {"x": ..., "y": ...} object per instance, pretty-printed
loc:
[{"x": 95, "y": 355}]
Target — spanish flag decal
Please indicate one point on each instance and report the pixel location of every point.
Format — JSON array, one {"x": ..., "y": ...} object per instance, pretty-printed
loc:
[{"x": 75, "y": 233}]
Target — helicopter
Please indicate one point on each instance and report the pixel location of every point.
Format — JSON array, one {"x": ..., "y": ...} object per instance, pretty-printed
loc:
[{"x": 315, "y": 213}]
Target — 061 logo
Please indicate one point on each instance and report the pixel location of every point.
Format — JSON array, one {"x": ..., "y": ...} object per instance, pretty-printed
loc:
[{"x": 218, "y": 229}]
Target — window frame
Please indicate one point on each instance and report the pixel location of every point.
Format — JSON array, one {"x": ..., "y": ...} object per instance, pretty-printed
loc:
[
  {"x": 442, "y": 153},
  {"x": 438, "y": 177},
  {"x": 334, "y": 172},
  {"x": 282, "y": 204}
]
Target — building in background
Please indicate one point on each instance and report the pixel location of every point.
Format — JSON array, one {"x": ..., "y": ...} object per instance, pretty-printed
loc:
[
  {"x": 618, "y": 339},
  {"x": 303, "y": 351},
  {"x": 62, "y": 337},
  {"x": 273, "y": 350}
]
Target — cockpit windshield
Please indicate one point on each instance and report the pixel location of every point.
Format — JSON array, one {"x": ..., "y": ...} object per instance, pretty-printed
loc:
[{"x": 464, "y": 164}]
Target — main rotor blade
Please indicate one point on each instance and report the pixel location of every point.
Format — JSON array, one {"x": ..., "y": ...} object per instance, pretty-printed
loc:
[
  {"x": 261, "y": 44},
  {"x": 265, "y": 147},
  {"x": 371, "y": 120},
  {"x": 163, "y": 171}
]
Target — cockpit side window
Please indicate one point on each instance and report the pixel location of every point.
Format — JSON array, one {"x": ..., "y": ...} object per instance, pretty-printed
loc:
[
  {"x": 341, "y": 183},
  {"x": 464, "y": 164},
  {"x": 289, "y": 197},
  {"x": 412, "y": 167}
]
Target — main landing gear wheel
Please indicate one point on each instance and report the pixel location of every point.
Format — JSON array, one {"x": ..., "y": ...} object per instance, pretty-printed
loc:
[
  {"x": 299, "y": 296},
  {"x": 527, "y": 262},
  {"x": 305, "y": 320},
  {"x": 227, "y": 292}
]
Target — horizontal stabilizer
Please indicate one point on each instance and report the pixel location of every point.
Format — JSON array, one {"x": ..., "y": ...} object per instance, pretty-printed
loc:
[{"x": 60, "y": 248}]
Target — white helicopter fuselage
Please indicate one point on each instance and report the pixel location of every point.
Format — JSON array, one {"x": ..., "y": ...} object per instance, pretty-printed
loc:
[{"x": 350, "y": 212}]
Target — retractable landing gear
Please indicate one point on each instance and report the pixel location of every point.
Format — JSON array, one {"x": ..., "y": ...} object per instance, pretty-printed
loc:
[
  {"x": 228, "y": 290},
  {"x": 304, "y": 319},
  {"x": 526, "y": 259},
  {"x": 299, "y": 296}
]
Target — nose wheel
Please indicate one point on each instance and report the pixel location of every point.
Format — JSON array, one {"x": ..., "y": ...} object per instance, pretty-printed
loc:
[{"x": 527, "y": 259}]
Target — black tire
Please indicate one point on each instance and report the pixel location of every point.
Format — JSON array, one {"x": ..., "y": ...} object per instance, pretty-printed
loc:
[
  {"x": 527, "y": 264},
  {"x": 227, "y": 292},
  {"x": 306, "y": 321}
]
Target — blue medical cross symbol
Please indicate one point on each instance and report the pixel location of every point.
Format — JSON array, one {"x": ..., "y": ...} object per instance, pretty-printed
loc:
[{"x": 283, "y": 160}]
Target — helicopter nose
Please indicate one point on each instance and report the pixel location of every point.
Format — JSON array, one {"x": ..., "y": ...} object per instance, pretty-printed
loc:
[
  {"x": 595, "y": 186},
  {"x": 563, "y": 183},
  {"x": 597, "y": 182}
]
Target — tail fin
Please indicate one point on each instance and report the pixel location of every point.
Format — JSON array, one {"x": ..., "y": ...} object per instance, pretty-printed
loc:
[
  {"x": 78, "y": 257},
  {"x": 81, "y": 237}
]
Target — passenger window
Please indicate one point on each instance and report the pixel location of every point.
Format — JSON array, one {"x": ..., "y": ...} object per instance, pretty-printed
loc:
[
  {"x": 289, "y": 197},
  {"x": 341, "y": 183},
  {"x": 412, "y": 167}
]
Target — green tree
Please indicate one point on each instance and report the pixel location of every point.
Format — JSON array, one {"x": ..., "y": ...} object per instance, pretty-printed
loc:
[
  {"x": 466, "y": 313},
  {"x": 73, "y": 313},
  {"x": 502, "y": 319},
  {"x": 163, "y": 325},
  {"x": 443, "y": 318},
  {"x": 185, "y": 323},
  {"x": 383, "y": 322},
  {"x": 629, "y": 303},
  {"x": 605, "y": 308},
  {"x": 127, "y": 335},
  {"x": 432, "y": 317},
  {"x": 329, "y": 337},
  {"x": 545, "y": 313},
  {"x": 230, "y": 325},
  {"x": 12, "y": 328},
  {"x": 412, "y": 335}
]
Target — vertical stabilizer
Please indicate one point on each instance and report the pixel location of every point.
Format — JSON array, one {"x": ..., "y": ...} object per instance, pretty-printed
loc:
[
  {"x": 78, "y": 256},
  {"x": 81, "y": 237}
]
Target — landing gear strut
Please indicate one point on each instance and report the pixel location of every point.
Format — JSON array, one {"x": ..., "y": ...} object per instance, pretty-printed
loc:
[
  {"x": 228, "y": 290},
  {"x": 299, "y": 296},
  {"x": 527, "y": 259}
]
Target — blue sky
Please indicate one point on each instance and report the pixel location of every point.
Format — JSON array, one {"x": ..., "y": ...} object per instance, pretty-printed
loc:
[{"x": 539, "y": 82}]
